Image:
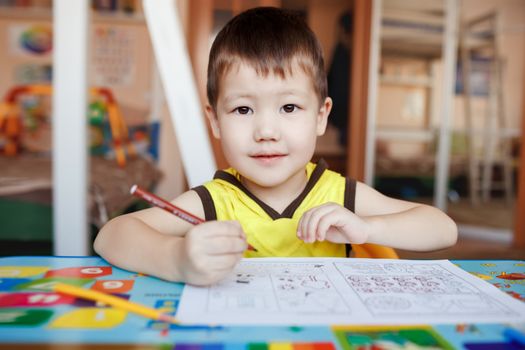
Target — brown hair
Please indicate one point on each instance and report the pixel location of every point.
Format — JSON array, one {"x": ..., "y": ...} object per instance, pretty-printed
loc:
[{"x": 270, "y": 40}]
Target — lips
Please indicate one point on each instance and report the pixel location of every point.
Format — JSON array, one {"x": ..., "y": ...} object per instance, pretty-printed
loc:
[{"x": 267, "y": 157}]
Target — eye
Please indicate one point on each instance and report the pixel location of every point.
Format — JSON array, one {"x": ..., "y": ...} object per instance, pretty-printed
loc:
[
  {"x": 243, "y": 110},
  {"x": 289, "y": 108}
]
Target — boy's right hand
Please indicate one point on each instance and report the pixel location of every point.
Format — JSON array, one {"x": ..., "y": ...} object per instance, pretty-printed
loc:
[{"x": 210, "y": 251}]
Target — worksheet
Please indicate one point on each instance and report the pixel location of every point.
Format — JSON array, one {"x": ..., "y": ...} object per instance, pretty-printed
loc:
[{"x": 347, "y": 291}]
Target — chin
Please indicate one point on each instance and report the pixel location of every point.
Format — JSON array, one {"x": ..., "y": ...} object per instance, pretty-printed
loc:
[{"x": 260, "y": 178}]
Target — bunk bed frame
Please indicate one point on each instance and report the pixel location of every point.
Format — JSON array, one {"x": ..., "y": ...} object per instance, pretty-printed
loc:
[
  {"x": 489, "y": 144},
  {"x": 423, "y": 30}
]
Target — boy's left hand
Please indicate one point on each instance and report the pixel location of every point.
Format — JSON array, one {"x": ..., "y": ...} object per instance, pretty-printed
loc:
[{"x": 334, "y": 223}]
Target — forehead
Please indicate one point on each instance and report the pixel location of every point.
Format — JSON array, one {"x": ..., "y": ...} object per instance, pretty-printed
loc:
[
  {"x": 243, "y": 75},
  {"x": 247, "y": 68}
]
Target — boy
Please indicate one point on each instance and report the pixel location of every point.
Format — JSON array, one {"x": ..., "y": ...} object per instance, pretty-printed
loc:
[{"x": 267, "y": 105}]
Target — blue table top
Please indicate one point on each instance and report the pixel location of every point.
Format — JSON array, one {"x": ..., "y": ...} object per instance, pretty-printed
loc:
[{"x": 31, "y": 314}]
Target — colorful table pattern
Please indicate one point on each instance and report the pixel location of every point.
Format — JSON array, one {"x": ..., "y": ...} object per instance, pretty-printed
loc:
[{"x": 30, "y": 313}]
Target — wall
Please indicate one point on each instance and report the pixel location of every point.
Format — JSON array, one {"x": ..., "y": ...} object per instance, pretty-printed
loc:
[
  {"x": 323, "y": 19},
  {"x": 133, "y": 91}
]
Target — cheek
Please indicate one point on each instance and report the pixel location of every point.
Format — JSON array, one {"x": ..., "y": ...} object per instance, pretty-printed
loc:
[
  {"x": 303, "y": 143},
  {"x": 231, "y": 138},
  {"x": 234, "y": 149},
  {"x": 302, "y": 134}
]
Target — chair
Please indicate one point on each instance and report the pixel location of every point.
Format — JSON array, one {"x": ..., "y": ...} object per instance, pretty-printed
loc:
[{"x": 369, "y": 250}]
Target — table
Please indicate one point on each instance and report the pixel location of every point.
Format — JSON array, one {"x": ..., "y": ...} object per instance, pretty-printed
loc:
[
  {"x": 31, "y": 317},
  {"x": 108, "y": 193}
]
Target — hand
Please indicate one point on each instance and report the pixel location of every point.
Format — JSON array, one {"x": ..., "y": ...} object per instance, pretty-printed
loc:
[
  {"x": 334, "y": 223},
  {"x": 210, "y": 251}
]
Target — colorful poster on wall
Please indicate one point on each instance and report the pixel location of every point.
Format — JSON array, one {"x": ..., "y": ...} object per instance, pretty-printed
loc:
[
  {"x": 33, "y": 73},
  {"x": 30, "y": 40},
  {"x": 113, "y": 53}
]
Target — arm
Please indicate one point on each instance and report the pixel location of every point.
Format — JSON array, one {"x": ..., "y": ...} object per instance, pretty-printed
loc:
[
  {"x": 158, "y": 243},
  {"x": 380, "y": 220}
]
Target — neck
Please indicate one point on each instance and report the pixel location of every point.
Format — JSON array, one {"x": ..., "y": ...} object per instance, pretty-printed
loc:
[{"x": 280, "y": 196}]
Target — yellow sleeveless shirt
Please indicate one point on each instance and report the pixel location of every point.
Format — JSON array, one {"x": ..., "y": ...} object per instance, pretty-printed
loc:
[{"x": 273, "y": 234}]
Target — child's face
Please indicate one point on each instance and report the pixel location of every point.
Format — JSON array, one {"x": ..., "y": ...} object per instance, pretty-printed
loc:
[{"x": 268, "y": 126}]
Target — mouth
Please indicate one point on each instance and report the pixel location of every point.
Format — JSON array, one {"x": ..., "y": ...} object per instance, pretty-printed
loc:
[{"x": 268, "y": 156}]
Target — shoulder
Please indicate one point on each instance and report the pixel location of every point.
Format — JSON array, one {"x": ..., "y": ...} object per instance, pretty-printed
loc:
[
  {"x": 218, "y": 194},
  {"x": 225, "y": 183},
  {"x": 328, "y": 177},
  {"x": 168, "y": 223},
  {"x": 190, "y": 201}
]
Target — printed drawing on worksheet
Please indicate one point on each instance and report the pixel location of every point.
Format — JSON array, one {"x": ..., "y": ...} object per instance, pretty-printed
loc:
[
  {"x": 348, "y": 291},
  {"x": 277, "y": 288}
]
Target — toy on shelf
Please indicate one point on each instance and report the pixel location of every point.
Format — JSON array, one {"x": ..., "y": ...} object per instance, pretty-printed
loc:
[{"x": 12, "y": 126}]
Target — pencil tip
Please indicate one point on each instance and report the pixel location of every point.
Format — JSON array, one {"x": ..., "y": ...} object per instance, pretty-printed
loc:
[
  {"x": 133, "y": 189},
  {"x": 168, "y": 318}
]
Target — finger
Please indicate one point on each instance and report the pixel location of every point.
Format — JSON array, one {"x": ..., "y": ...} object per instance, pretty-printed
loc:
[
  {"x": 219, "y": 275},
  {"x": 316, "y": 216},
  {"x": 325, "y": 221},
  {"x": 224, "y": 262},
  {"x": 304, "y": 224},
  {"x": 222, "y": 228},
  {"x": 309, "y": 225},
  {"x": 301, "y": 226},
  {"x": 237, "y": 227},
  {"x": 306, "y": 233},
  {"x": 226, "y": 245},
  {"x": 334, "y": 235},
  {"x": 328, "y": 221}
]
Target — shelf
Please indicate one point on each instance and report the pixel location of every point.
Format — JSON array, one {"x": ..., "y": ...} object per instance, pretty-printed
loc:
[
  {"x": 118, "y": 18},
  {"x": 28, "y": 13},
  {"x": 46, "y": 14},
  {"x": 406, "y": 134},
  {"x": 406, "y": 80}
]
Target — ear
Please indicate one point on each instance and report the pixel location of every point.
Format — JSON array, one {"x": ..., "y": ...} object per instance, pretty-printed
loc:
[
  {"x": 322, "y": 117},
  {"x": 214, "y": 122}
]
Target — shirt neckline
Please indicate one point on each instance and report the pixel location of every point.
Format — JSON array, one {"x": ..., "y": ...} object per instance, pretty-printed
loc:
[{"x": 292, "y": 207}]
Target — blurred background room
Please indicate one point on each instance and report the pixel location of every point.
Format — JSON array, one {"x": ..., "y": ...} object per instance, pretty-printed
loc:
[{"x": 98, "y": 95}]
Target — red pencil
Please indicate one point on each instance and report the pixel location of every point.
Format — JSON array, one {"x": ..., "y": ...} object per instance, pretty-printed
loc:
[{"x": 164, "y": 204}]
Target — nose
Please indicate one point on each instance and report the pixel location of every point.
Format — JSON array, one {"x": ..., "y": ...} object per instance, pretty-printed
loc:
[{"x": 266, "y": 128}]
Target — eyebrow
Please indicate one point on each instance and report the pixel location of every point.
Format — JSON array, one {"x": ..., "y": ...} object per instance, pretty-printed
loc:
[
  {"x": 294, "y": 92},
  {"x": 284, "y": 92},
  {"x": 236, "y": 96}
]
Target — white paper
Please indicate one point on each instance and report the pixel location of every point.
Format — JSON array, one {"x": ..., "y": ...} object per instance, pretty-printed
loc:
[{"x": 347, "y": 291}]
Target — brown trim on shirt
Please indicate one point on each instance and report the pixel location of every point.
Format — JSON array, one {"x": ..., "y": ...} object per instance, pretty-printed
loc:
[
  {"x": 349, "y": 199},
  {"x": 349, "y": 203},
  {"x": 222, "y": 175},
  {"x": 207, "y": 202},
  {"x": 211, "y": 214},
  {"x": 316, "y": 175},
  {"x": 292, "y": 207}
]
